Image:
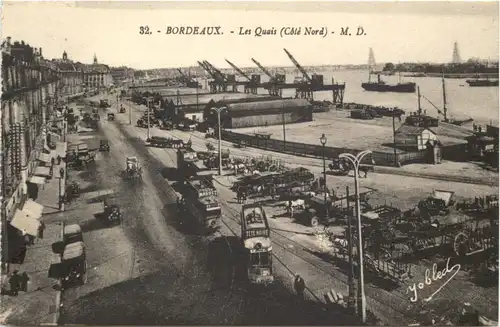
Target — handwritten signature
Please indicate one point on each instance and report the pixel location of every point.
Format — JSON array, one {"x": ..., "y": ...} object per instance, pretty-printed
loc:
[{"x": 436, "y": 275}]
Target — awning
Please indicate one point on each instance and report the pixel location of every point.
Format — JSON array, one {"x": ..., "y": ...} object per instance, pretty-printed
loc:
[
  {"x": 61, "y": 148},
  {"x": 26, "y": 223},
  {"x": 37, "y": 180},
  {"x": 42, "y": 171},
  {"x": 32, "y": 208},
  {"x": 44, "y": 157}
]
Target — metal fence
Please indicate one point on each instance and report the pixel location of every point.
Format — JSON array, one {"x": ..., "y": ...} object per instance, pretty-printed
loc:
[{"x": 303, "y": 149}]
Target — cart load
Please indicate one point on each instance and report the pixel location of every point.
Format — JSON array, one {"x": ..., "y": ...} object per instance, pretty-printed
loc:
[
  {"x": 112, "y": 213},
  {"x": 104, "y": 145},
  {"x": 74, "y": 263},
  {"x": 160, "y": 141},
  {"x": 72, "y": 234},
  {"x": 133, "y": 168}
]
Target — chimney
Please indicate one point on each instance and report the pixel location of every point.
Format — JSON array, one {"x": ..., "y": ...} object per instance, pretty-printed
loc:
[{"x": 41, "y": 55}]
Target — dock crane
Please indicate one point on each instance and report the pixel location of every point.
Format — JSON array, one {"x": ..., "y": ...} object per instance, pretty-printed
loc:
[
  {"x": 314, "y": 83},
  {"x": 227, "y": 79},
  {"x": 253, "y": 82},
  {"x": 190, "y": 82},
  {"x": 218, "y": 84},
  {"x": 299, "y": 67},
  {"x": 273, "y": 80}
]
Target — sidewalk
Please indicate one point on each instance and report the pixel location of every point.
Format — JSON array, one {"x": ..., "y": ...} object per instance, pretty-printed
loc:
[
  {"x": 40, "y": 304},
  {"x": 48, "y": 194}
]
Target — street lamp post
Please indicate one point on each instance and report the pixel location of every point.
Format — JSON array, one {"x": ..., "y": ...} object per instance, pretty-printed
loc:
[
  {"x": 351, "y": 300},
  {"x": 61, "y": 191},
  {"x": 323, "y": 140},
  {"x": 149, "y": 112},
  {"x": 130, "y": 115},
  {"x": 218, "y": 110},
  {"x": 356, "y": 160}
]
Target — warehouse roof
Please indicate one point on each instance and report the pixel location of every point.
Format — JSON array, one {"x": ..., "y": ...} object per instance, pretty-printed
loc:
[
  {"x": 267, "y": 105},
  {"x": 412, "y": 130},
  {"x": 193, "y": 99}
]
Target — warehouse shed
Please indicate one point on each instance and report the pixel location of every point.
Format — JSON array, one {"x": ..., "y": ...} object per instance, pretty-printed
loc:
[
  {"x": 263, "y": 113},
  {"x": 414, "y": 137},
  {"x": 197, "y": 109}
]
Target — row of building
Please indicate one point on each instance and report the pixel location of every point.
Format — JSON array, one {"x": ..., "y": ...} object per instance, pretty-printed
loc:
[{"x": 34, "y": 90}]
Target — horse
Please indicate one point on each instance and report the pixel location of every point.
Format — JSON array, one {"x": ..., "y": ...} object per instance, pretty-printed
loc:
[
  {"x": 297, "y": 204},
  {"x": 241, "y": 195}
]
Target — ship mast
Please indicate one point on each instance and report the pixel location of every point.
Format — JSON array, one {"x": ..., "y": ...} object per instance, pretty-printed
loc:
[
  {"x": 444, "y": 100},
  {"x": 418, "y": 101},
  {"x": 371, "y": 63}
]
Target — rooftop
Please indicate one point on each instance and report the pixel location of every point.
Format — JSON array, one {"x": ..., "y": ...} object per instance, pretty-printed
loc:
[{"x": 412, "y": 130}]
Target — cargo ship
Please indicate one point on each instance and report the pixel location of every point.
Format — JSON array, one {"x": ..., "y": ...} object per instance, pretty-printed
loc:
[
  {"x": 381, "y": 86},
  {"x": 482, "y": 82}
]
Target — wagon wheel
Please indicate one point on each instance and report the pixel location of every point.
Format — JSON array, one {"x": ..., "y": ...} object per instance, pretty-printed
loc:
[
  {"x": 314, "y": 221},
  {"x": 461, "y": 244}
]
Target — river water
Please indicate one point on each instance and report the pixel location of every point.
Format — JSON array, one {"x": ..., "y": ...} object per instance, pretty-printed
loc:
[{"x": 479, "y": 103}]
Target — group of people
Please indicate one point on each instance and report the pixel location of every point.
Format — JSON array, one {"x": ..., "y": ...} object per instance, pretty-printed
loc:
[
  {"x": 18, "y": 282},
  {"x": 483, "y": 202}
]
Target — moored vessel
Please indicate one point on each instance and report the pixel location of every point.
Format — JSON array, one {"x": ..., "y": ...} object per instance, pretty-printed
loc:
[{"x": 482, "y": 82}]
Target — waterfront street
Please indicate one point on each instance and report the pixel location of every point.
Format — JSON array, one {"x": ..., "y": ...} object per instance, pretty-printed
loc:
[
  {"x": 153, "y": 268},
  {"x": 249, "y": 164},
  {"x": 391, "y": 307}
]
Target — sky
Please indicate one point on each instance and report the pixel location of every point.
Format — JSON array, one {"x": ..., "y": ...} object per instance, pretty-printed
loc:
[{"x": 397, "y": 32}]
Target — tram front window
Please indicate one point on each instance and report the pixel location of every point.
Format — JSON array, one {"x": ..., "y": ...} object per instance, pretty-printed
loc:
[{"x": 259, "y": 259}]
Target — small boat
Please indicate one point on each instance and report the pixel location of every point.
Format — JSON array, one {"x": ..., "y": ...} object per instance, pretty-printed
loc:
[
  {"x": 482, "y": 82},
  {"x": 381, "y": 86}
]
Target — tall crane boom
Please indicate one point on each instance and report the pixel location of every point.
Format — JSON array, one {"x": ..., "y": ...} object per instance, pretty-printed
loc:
[
  {"x": 238, "y": 70},
  {"x": 209, "y": 71},
  {"x": 216, "y": 71},
  {"x": 299, "y": 67},
  {"x": 264, "y": 70},
  {"x": 180, "y": 72}
]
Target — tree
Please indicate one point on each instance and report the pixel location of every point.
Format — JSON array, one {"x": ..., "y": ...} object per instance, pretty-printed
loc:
[{"x": 388, "y": 67}]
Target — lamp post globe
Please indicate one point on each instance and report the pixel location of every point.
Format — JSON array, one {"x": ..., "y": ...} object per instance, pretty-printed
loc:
[{"x": 323, "y": 139}]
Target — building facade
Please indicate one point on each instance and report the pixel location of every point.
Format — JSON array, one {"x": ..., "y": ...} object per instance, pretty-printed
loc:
[
  {"x": 121, "y": 74},
  {"x": 97, "y": 76},
  {"x": 29, "y": 89},
  {"x": 71, "y": 76}
]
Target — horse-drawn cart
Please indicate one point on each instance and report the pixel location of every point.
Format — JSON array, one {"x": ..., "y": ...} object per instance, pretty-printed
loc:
[
  {"x": 240, "y": 144},
  {"x": 133, "y": 169},
  {"x": 164, "y": 142}
]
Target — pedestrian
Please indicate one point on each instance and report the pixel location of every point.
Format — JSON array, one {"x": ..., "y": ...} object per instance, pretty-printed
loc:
[
  {"x": 299, "y": 286},
  {"x": 58, "y": 159},
  {"x": 24, "y": 282},
  {"x": 52, "y": 161},
  {"x": 41, "y": 229},
  {"x": 14, "y": 283}
]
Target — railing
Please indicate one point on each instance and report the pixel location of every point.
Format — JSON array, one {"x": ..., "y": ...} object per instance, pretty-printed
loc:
[{"x": 302, "y": 149}]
